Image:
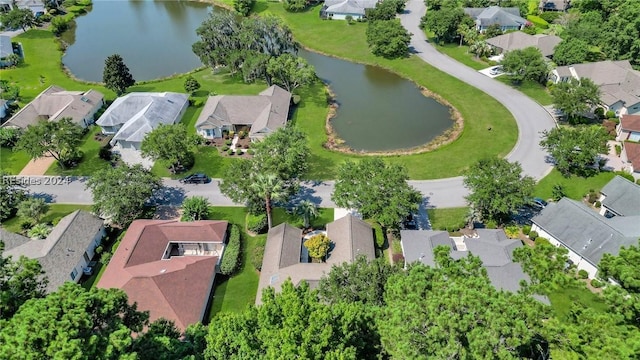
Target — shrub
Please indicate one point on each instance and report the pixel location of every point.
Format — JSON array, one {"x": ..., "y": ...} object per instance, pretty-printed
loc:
[
  {"x": 526, "y": 229},
  {"x": 257, "y": 223},
  {"x": 106, "y": 257},
  {"x": 230, "y": 152},
  {"x": 296, "y": 99},
  {"x": 256, "y": 257},
  {"x": 224, "y": 148},
  {"x": 610, "y": 114},
  {"x": 46, "y": 17},
  {"x": 105, "y": 154},
  {"x": 541, "y": 241},
  {"x": 398, "y": 258},
  {"x": 55, "y": 221},
  {"x": 231, "y": 256},
  {"x": 550, "y": 16},
  {"x": 251, "y": 152},
  {"x": 618, "y": 149},
  {"x": 349, "y": 19},
  {"x": 228, "y": 142},
  {"x": 59, "y": 24},
  {"x": 593, "y": 196},
  {"x": 99, "y": 249},
  {"x": 39, "y": 231},
  {"x": 26, "y": 224},
  {"x": 625, "y": 175},
  {"x": 599, "y": 112},
  {"x": 512, "y": 231},
  {"x": 598, "y": 204},
  {"x": 538, "y": 21},
  {"x": 596, "y": 283},
  {"x": 490, "y": 224},
  {"x": 583, "y": 274},
  {"x": 9, "y": 136},
  {"x": 533, "y": 235}
]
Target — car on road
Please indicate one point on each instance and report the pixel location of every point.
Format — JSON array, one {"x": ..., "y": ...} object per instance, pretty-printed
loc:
[{"x": 196, "y": 179}]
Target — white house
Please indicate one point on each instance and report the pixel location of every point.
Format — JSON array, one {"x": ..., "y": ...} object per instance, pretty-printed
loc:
[
  {"x": 132, "y": 116},
  {"x": 619, "y": 83},
  {"x": 340, "y": 9},
  {"x": 584, "y": 233},
  {"x": 66, "y": 252}
]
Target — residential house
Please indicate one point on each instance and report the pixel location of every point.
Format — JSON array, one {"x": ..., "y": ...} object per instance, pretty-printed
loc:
[
  {"x": 631, "y": 155},
  {"x": 584, "y": 233},
  {"x": 55, "y": 103},
  {"x": 628, "y": 128},
  {"x": 260, "y": 115},
  {"x": 554, "y": 5},
  {"x": 493, "y": 248},
  {"x": 6, "y": 49},
  {"x": 508, "y": 18},
  {"x": 285, "y": 256},
  {"x": 66, "y": 252},
  {"x": 3, "y": 108},
  {"x": 168, "y": 267},
  {"x": 131, "y": 117},
  {"x": 36, "y": 6},
  {"x": 340, "y": 9},
  {"x": 619, "y": 83},
  {"x": 518, "y": 40},
  {"x": 620, "y": 197}
]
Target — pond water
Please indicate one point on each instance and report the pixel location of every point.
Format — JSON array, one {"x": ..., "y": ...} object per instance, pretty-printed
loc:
[{"x": 378, "y": 110}]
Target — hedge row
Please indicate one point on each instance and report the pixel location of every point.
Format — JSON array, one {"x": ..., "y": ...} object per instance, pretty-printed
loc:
[
  {"x": 257, "y": 223},
  {"x": 538, "y": 21},
  {"x": 231, "y": 257}
]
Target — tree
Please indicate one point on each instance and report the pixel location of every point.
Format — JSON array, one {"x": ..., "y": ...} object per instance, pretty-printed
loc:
[
  {"x": 575, "y": 97},
  {"x": 493, "y": 30},
  {"x": 571, "y": 51},
  {"x": 12, "y": 193},
  {"x": 544, "y": 264},
  {"x": 294, "y": 5},
  {"x": 191, "y": 85},
  {"x": 624, "y": 269},
  {"x": 20, "y": 281},
  {"x": 377, "y": 190},
  {"x": 162, "y": 341},
  {"x": 195, "y": 208},
  {"x": 172, "y": 144},
  {"x": 481, "y": 49},
  {"x": 270, "y": 188},
  {"x": 9, "y": 136},
  {"x": 497, "y": 188},
  {"x": 33, "y": 208},
  {"x": 444, "y": 23},
  {"x": 308, "y": 210},
  {"x": 59, "y": 24},
  {"x": 525, "y": 64},
  {"x": 116, "y": 75},
  {"x": 452, "y": 311},
  {"x": 72, "y": 323},
  {"x": 621, "y": 35},
  {"x": 290, "y": 71},
  {"x": 558, "y": 192},
  {"x": 18, "y": 18},
  {"x": 294, "y": 324},
  {"x": 388, "y": 39},
  {"x": 243, "y": 7},
  {"x": 318, "y": 246},
  {"x": 61, "y": 139},
  {"x": 384, "y": 10},
  {"x": 121, "y": 193},
  {"x": 14, "y": 60},
  {"x": 575, "y": 150},
  {"x": 361, "y": 281},
  {"x": 467, "y": 34}
]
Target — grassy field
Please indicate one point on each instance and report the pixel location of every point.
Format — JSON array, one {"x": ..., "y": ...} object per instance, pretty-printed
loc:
[
  {"x": 564, "y": 297},
  {"x": 56, "y": 211},
  {"x": 12, "y": 162},
  {"x": 575, "y": 187},
  {"x": 443, "y": 219},
  {"x": 530, "y": 88}
]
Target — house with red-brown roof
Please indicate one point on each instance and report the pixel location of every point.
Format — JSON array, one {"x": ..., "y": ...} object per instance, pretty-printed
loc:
[
  {"x": 168, "y": 267},
  {"x": 628, "y": 131}
]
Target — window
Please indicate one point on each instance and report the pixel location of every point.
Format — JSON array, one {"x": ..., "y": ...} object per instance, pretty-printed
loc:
[{"x": 74, "y": 273}]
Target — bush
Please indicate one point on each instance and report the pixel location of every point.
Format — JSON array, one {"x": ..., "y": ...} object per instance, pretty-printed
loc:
[
  {"x": 610, "y": 114},
  {"x": 106, "y": 257},
  {"x": 598, "y": 204},
  {"x": 526, "y": 229},
  {"x": 550, "y": 16},
  {"x": 593, "y": 196},
  {"x": 491, "y": 224},
  {"x": 26, "y": 224},
  {"x": 625, "y": 175},
  {"x": 398, "y": 259},
  {"x": 257, "y": 223},
  {"x": 59, "y": 24},
  {"x": 39, "y": 231},
  {"x": 105, "y": 154},
  {"x": 99, "y": 249},
  {"x": 231, "y": 256},
  {"x": 228, "y": 142},
  {"x": 9, "y": 136},
  {"x": 45, "y": 17},
  {"x": 55, "y": 221},
  {"x": 533, "y": 235},
  {"x": 541, "y": 241},
  {"x": 597, "y": 283},
  {"x": 538, "y": 21},
  {"x": 251, "y": 152},
  {"x": 256, "y": 257},
  {"x": 224, "y": 148},
  {"x": 599, "y": 112},
  {"x": 512, "y": 231},
  {"x": 230, "y": 152},
  {"x": 583, "y": 274},
  {"x": 296, "y": 99}
]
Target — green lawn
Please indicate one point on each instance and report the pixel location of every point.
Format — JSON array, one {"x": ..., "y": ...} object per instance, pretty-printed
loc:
[
  {"x": 208, "y": 161},
  {"x": 443, "y": 219},
  {"x": 235, "y": 293},
  {"x": 56, "y": 211},
  {"x": 530, "y": 88},
  {"x": 90, "y": 162},
  {"x": 12, "y": 162},
  {"x": 565, "y": 296},
  {"x": 462, "y": 54},
  {"x": 575, "y": 187}
]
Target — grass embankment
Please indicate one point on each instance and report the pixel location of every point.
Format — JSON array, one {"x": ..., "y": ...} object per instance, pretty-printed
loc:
[
  {"x": 575, "y": 187},
  {"x": 56, "y": 211},
  {"x": 479, "y": 110},
  {"x": 235, "y": 293}
]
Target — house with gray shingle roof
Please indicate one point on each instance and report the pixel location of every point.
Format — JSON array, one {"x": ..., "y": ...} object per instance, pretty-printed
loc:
[
  {"x": 620, "y": 197},
  {"x": 131, "y": 117},
  {"x": 261, "y": 114},
  {"x": 508, "y": 18},
  {"x": 6, "y": 49},
  {"x": 55, "y": 103},
  {"x": 285, "y": 256},
  {"x": 554, "y": 5},
  {"x": 619, "y": 83},
  {"x": 493, "y": 248},
  {"x": 340, "y": 9},
  {"x": 66, "y": 252},
  {"x": 518, "y": 40},
  {"x": 584, "y": 233}
]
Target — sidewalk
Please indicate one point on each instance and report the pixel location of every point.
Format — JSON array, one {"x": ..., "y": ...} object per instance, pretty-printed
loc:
[{"x": 38, "y": 166}]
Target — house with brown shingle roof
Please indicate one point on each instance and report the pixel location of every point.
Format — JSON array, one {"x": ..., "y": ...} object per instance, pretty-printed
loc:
[
  {"x": 285, "y": 256},
  {"x": 628, "y": 132},
  {"x": 56, "y": 103},
  {"x": 518, "y": 40},
  {"x": 262, "y": 114},
  {"x": 168, "y": 267}
]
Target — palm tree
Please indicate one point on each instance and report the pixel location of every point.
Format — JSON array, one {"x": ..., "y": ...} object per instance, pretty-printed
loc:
[
  {"x": 270, "y": 188},
  {"x": 308, "y": 210}
]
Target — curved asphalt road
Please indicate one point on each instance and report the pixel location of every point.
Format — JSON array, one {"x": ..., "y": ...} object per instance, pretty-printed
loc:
[{"x": 530, "y": 116}]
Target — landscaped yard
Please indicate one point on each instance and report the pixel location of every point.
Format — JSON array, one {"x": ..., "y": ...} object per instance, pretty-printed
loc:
[
  {"x": 207, "y": 160},
  {"x": 564, "y": 297},
  {"x": 56, "y": 211},
  {"x": 443, "y": 219},
  {"x": 575, "y": 187},
  {"x": 532, "y": 89},
  {"x": 461, "y": 54},
  {"x": 90, "y": 163},
  {"x": 12, "y": 162}
]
